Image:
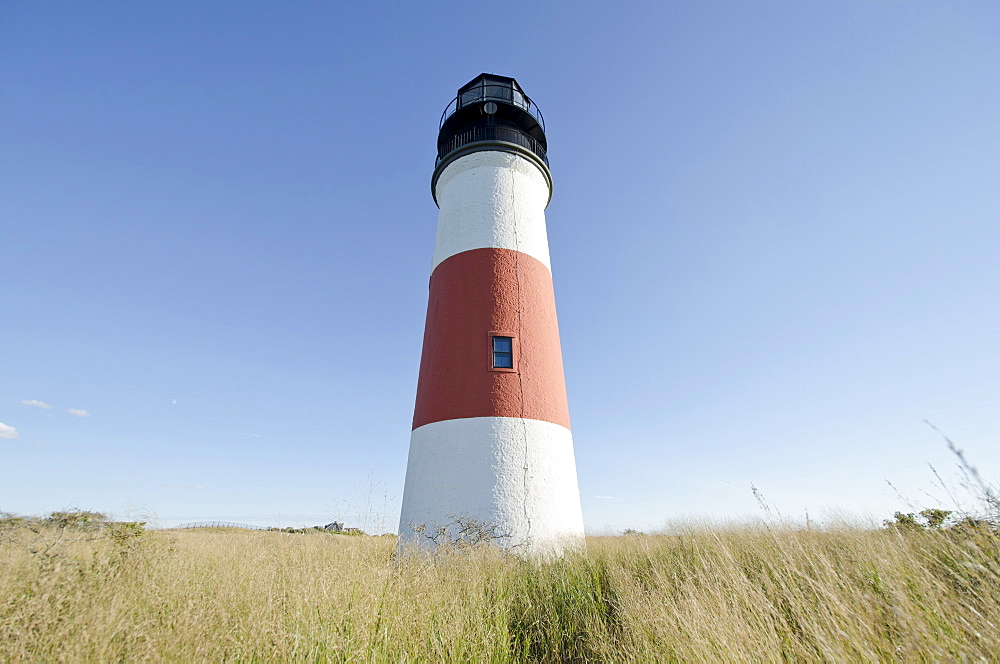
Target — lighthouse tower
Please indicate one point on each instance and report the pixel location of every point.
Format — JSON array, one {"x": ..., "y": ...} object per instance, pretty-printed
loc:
[{"x": 491, "y": 447}]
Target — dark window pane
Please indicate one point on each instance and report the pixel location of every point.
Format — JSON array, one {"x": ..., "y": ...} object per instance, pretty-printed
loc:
[
  {"x": 470, "y": 96},
  {"x": 502, "y": 344},
  {"x": 503, "y": 360}
]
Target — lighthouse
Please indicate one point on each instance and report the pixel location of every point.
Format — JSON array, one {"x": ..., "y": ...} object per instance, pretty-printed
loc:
[{"x": 491, "y": 452}]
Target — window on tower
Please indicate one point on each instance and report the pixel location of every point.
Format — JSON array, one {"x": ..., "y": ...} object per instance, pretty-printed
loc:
[{"x": 503, "y": 352}]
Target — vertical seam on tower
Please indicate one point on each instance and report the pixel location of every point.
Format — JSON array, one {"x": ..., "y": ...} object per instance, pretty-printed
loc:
[{"x": 520, "y": 377}]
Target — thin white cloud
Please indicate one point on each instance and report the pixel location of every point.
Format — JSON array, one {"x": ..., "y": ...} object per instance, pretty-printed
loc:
[
  {"x": 79, "y": 412},
  {"x": 606, "y": 497},
  {"x": 36, "y": 403},
  {"x": 173, "y": 402},
  {"x": 7, "y": 431},
  {"x": 252, "y": 435}
]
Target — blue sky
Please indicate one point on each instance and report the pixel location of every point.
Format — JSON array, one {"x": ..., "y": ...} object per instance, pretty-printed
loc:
[{"x": 774, "y": 241}]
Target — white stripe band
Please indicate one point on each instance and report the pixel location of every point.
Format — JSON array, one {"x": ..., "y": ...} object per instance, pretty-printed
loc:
[
  {"x": 515, "y": 477},
  {"x": 491, "y": 199}
]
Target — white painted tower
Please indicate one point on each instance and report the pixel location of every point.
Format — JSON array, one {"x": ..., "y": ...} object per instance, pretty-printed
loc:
[{"x": 491, "y": 439}]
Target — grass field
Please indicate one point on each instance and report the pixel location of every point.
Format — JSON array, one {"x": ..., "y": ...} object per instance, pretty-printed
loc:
[{"x": 754, "y": 592}]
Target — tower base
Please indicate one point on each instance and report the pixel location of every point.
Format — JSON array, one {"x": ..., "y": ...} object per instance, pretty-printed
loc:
[{"x": 505, "y": 479}]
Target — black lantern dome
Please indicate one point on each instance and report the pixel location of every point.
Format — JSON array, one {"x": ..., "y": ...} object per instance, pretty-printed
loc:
[{"x": 491, "y": 112}]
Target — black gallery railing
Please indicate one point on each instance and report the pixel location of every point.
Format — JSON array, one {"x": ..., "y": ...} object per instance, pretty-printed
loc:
[
  {"x": 491, "y": 133},
  {"x": 493, "y": 92}
]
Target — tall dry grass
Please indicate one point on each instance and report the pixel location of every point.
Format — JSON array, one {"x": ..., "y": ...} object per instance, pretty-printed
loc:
[{"x": 748, "y": 593}]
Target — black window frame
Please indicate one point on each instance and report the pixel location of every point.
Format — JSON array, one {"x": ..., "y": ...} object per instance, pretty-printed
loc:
[{"x": 508, "y": 354}]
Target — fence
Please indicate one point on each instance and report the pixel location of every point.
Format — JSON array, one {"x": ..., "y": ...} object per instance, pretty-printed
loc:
[{"x": 220, "y": 524}]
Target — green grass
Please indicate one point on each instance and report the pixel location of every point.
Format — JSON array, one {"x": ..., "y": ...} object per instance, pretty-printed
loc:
[{"x": 744, "y": 593}]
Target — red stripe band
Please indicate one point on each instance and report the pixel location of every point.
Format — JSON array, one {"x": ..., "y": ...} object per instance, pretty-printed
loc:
[{"x": 475, "y": 295}]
